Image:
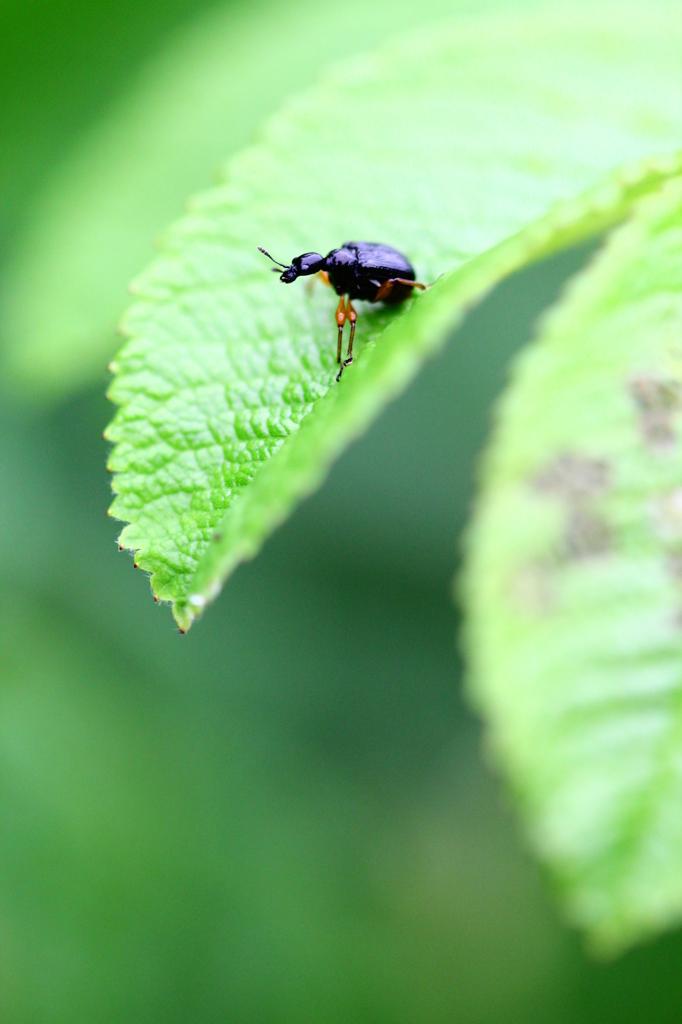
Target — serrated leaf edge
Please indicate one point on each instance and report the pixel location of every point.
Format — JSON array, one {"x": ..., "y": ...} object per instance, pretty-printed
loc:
[{"x": 397, "y": 358}]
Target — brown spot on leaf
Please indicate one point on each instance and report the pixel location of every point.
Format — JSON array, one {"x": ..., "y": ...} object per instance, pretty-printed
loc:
[
  {"x": 574, "y": 477},
  {"x": 657, "y": 400},
  {"x": 576, "y": 481},
  {"x": 587, "y": 534}
]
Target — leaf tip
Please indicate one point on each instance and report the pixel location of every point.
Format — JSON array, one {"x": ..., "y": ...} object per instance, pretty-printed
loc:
[{"x": 183, "y": 615}]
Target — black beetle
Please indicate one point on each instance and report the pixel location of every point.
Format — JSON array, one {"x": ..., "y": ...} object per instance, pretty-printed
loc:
[{"x": 359, "y": 270}]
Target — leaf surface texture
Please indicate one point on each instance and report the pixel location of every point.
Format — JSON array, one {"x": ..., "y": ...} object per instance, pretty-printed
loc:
[{"x": 443, "y": 144}]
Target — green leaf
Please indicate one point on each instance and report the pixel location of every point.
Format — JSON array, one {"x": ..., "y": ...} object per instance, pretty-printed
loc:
[
  {"x": 429, "y": 145},
  {"x": 93, "y": 226},
  {"x": 574, "y": 585}
]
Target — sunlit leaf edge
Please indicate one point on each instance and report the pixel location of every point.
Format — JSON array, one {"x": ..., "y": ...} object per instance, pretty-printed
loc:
[{"x": 345, "y": 413}]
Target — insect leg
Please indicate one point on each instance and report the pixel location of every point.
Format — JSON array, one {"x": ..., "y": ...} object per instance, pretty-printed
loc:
[
  {"x": 352, "y": 316},
  {"x": 340, "y": 320},
  {"x": 412, "y": 284},
  {"x": 388, "y": 286}
]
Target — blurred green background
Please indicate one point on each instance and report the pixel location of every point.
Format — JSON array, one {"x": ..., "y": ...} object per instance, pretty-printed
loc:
[{"x": 284, "y": 816}]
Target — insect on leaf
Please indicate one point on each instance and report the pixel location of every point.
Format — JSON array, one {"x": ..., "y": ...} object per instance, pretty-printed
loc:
[
  {"x": 94, "y": 224},
  {"x": 427, "y": 145}
]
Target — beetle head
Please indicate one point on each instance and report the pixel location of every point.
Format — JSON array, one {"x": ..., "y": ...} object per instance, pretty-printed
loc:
[{"x": 302, "y": 266}]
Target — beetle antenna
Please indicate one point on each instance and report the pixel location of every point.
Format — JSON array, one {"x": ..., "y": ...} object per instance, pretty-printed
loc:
[{"x": 266, "y": 253}]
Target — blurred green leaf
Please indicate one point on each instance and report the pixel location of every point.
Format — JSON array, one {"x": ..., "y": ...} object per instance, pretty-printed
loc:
[
  {"x": 93, "y": 227},
  {"x": 224, "y": 363},
  {"x": 166, "y": 857},
  {"x": 574, "y": 584},
  {"x": 61, "y": 64},
  {"x": 99, "y": 823}
]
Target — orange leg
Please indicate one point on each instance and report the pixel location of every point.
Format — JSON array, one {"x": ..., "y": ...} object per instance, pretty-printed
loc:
[
  {"x": 340, "y": 320},
  {"x": 387, "y": 287},
  {"x": 352, "y": 316}
]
